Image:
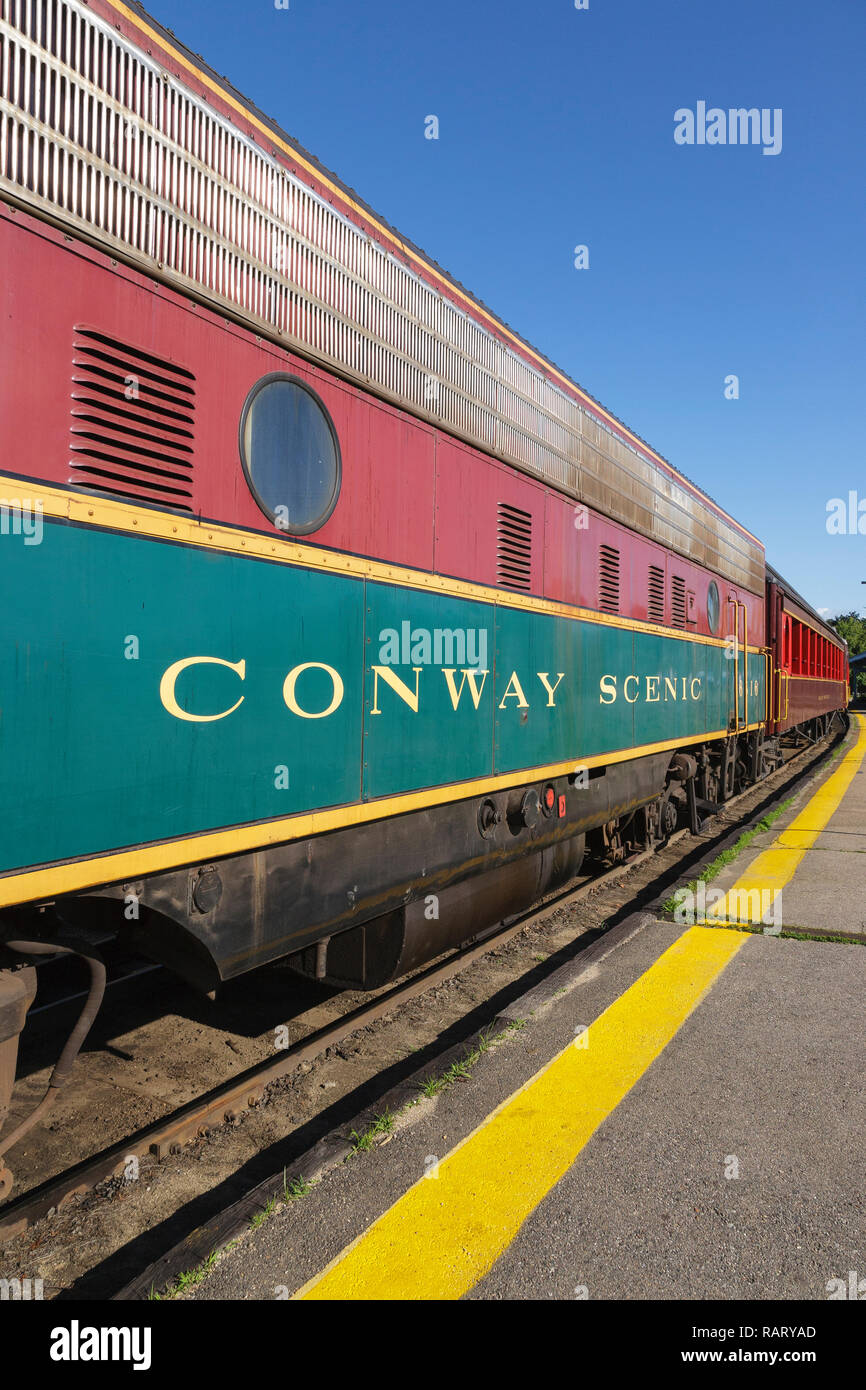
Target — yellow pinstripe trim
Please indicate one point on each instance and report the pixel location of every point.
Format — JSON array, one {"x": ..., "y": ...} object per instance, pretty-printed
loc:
[
  {"x": 747, "y": 901},
  {"x": 388, "y": 235},
  {"x": 115, "y": 515},
  {"x": 825, "y": 680},
  {"x": 821, "y": 632},
  {"x": 445, "y": 1233},
  {"x": 126, "y": 865}
]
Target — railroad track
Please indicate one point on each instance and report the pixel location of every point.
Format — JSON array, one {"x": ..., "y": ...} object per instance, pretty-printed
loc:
[{"x": 224, "y": 1103}]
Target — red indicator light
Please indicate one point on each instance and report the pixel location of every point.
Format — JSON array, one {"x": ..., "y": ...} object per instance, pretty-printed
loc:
[{"x": 549, "y": 797}]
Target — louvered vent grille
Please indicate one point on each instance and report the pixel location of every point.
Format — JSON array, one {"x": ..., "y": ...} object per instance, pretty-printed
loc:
[
  {"x": 95, "y": 132},
  {"x": 513, "y": 547},
  {"x": 132, "y": 422},
  {"x": 656, "y": 596},
  {"x": 678, "y": 601},
  {"x": 608, "y": 579}
]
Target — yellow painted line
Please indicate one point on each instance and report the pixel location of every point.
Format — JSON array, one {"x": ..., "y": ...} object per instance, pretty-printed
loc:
[
  {"x": 440, "y": 1238},
  {"x": 752, "y": 897}
]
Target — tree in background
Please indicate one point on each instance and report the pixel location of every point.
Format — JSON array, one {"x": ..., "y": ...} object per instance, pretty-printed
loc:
[{"x": 853, "y": 628}]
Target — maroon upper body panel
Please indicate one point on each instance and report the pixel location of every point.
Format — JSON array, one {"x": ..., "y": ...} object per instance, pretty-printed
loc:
[
  {"x": 411, "y": 494},
  {"x": 146, "y": 33}
]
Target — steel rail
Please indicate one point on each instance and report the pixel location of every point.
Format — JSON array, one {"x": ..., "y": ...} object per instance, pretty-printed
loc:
[{"x": 225, "y": 1102}]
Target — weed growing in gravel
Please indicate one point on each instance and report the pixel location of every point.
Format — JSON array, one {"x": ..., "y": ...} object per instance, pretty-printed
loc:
[
  {"x": 728, "y": 856},
  {"x": 261, "y": 1216},
  {"x": 187, "y": 1280},
  {"x": 298, "y": 1187},
  {"x": 383, "y": 1124},
  {"x": 461, "y": 1070}
]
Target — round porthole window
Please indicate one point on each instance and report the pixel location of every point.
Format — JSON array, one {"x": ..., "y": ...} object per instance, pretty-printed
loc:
[
  {"x": 290, "y": 454},
  {"x": 713, "y": 606}
]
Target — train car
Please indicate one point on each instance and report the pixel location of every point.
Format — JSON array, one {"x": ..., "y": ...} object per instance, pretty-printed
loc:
[
  {"x": 810, "y": 661},
  {"x": 339, "y": 622}
]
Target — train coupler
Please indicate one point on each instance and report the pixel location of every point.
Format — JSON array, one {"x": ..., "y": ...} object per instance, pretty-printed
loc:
[{"x": 17, "y": 992}]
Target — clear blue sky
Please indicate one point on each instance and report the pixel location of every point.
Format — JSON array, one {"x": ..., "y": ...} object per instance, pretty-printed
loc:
[{"x": 556, "y": 128}]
